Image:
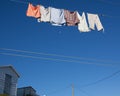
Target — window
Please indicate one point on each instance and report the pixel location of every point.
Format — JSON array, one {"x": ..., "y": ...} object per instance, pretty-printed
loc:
[{"x": 7, "y": 85}]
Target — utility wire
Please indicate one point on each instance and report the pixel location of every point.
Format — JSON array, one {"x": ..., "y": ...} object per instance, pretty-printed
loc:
[
  {"x": 52, "y": 59},
  {"x": 82, "y": 91},
  {"x": 101, "y": 80},
  {"x": 56, "y": 55},
  {"x": 57, "y": 91}
]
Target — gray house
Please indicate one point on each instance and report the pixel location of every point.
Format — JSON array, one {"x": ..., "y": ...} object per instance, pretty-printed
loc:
[
  {"x": 26, "y": 91},
  {"x": 8, "y": 80}
]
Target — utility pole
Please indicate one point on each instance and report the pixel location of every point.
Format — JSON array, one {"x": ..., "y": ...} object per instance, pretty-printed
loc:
[{"x": 72, "y": 90}]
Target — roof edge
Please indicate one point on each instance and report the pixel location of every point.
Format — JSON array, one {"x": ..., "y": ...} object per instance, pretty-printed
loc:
[{"x": 10, "y": 66}]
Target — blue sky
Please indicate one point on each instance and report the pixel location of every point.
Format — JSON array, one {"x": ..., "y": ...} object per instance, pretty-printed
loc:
[{"x": 54, "y": 77}]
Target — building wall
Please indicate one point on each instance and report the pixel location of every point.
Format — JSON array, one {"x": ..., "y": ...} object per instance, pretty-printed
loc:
[
  {"x": 1, "y": 81},
  {"x": 25, "y": 91},
  {"x": 9, "y": 71}
]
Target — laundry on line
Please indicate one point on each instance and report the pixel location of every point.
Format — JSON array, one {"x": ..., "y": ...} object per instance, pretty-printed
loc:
[{"x": 62, "y": 17}]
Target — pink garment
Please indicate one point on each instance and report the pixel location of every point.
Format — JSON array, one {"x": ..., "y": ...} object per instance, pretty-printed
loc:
[
  {"x": 71, "y": 18},
  {"x": 93, "y": 20},
  {"x": 33, "y": 11}
]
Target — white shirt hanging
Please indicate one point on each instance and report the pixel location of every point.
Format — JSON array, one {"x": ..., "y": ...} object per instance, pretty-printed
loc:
[
  {"x": 82, "y": 25},
  {"x": 45, "y": 14}
]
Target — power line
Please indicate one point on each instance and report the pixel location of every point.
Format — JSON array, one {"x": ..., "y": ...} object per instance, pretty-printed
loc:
[
  {"x": 101, "y": 80},
  {"x": 57, "y": 90},
  {"x": 84, "y": 92},
  {"x": 56, "y": 55},
  {"x": 52, "y": 59}
]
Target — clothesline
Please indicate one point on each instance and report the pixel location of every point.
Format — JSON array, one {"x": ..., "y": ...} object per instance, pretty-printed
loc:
[
  {"x": 24, "y": 2},
  {"x": 109, "y": 2},
  {"x": 60, "y": 17},
  {"x": 17, "y": 1}
]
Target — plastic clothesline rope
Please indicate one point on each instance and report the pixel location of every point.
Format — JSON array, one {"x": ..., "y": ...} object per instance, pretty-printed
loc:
[
  {"x": 23, "y": 2},
  {"x": 17, "y": 1},
  {"x": 109, "y": 2}
]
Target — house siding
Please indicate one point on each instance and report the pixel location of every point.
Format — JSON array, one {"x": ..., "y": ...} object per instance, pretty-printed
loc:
[{"x": 9, "y": 71}]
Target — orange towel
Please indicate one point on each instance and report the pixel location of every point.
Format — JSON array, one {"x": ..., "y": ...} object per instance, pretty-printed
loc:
[{"x": 33, "y": 11}]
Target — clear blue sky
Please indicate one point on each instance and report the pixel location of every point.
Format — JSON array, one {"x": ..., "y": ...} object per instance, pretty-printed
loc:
[{"x": 52, "y": 77}]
